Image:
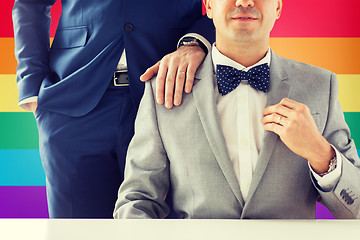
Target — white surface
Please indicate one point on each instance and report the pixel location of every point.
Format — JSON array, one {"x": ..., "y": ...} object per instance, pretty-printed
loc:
[{"x": 39, "y": 229}]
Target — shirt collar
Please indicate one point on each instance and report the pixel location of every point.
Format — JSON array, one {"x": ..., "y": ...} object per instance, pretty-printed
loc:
[{"x": 219, "y": 58}]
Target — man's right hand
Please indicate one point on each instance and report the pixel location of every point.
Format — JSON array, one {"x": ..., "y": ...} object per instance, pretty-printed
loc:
[{"x": 174, "y": 71}]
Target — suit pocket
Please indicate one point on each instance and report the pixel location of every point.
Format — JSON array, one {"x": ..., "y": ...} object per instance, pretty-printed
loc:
[{"x": 70, "y": 38}]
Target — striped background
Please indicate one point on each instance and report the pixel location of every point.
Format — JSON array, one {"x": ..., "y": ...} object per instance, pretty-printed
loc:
[{"x": 322, "y": 33}]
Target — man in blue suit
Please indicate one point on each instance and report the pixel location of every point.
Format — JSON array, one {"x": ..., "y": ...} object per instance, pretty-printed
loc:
[{"x": 84, "y": 90}]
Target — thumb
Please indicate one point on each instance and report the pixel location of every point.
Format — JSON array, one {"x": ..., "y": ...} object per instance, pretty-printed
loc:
[{"x": 150, "y": 72}]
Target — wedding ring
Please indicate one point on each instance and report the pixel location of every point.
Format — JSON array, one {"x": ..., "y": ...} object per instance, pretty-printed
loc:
[{"x": 182, "y": 72}]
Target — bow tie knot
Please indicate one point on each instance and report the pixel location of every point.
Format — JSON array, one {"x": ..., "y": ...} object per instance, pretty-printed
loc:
[{"x": 229, "y": 78}]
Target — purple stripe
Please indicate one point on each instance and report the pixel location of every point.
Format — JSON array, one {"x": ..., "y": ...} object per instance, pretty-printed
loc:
[
  {"x": 322, "y": 212},
  {"x": 30, "y": 202},
  {"x": 23, "y": 202}
]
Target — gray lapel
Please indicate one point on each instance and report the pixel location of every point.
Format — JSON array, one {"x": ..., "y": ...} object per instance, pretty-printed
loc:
[
  {"x": 205, "y": 101},
  {"x": 279, "y": 88}
]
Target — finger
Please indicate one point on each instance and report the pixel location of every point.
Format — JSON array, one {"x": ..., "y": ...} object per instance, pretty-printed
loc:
[
  {"x": 274, "y": 118},
  {"x": 190, "y": 75},
  {"x": 160, "y": 83},
  {"x": 169, "y": 86},
  {"x": 289, "y": 103},
  {"x": 179, "y": 85},
  {"x": 297, "y": 109},
  {"x": 284, "y": 105},
  {"x": 150, "y": 72},
  {"x": 277, "y": 109},
  {"x": 272, "y": 127},
  {"x": 34, "y": 111}
]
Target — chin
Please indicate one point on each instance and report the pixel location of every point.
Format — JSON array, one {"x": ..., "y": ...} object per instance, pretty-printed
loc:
[{"x": 243, "y": 36}]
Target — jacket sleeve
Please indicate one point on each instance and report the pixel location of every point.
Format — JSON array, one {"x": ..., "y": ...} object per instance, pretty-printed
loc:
[
  {"x": 146, "y": 183},
  {"x": 31, "y": 21},
  {"x": 343, "y": 200},
  {"x": 203, "y": 26},
  {"x": 203, "y": 29}
]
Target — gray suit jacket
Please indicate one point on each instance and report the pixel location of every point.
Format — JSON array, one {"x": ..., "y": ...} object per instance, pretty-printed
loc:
[{"x": 184, "y": 149}]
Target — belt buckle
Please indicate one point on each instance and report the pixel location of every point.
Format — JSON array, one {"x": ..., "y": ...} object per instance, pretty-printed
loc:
[{"x": 115, "y": 79}]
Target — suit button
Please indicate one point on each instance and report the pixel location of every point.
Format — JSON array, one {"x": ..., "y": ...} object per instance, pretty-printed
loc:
[
  {"x": 244, "y": 142},
  {"x": 343, "y": 192},
  {"x": 349, "y": 200},
  {"x": 128, "y": 27},
  {"x": 242, "y": 100}
]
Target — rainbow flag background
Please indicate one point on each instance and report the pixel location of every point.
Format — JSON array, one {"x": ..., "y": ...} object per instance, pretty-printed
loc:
[{"x": 322, "y": 33}]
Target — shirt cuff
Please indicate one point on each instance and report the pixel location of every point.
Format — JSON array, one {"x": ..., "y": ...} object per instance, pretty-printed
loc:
[
  {"x": 328, "y": 182},
  {"x": 198, "y": 37},
  {"x": 25, "y": 103}
]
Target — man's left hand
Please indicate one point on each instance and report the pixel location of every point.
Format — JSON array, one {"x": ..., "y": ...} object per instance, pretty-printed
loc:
[
  {"x": 294, "y": 124},
  {"x": 173, "y": 72}
]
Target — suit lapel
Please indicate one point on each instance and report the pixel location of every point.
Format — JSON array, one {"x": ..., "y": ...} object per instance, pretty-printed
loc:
[
  {"x": 204, "y": 96},
  {"x": 279, "y": 89}
]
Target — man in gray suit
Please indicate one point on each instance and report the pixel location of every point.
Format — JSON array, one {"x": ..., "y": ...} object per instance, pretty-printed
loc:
[{"x": 260, "y": 136}]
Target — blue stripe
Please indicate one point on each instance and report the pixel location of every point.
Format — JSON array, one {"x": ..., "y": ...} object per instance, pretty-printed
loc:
[{"x": 21, "y": 168}]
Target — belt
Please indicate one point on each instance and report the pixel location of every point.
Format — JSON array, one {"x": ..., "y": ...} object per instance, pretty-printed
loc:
[{"x": 121, "y": 78}]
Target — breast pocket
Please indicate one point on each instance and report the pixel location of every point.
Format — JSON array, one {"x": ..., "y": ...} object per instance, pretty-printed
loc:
[{"x": 70, "y": 38}]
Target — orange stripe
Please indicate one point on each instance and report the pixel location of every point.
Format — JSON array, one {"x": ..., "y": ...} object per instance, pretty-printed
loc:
[
  {"x": 339, "y": 55},
  {"x": 336, "y": 54},
  {"x": 7, "y": 61}
]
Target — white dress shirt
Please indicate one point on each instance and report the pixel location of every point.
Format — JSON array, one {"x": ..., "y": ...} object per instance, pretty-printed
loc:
[{"x": 240, "y": 114}]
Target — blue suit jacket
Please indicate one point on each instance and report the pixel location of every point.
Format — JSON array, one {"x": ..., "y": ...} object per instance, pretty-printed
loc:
[{"x": 72, "y": 76}]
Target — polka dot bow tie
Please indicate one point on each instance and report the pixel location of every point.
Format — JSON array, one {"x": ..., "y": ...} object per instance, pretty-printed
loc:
[{"x": 229, "y": 78}]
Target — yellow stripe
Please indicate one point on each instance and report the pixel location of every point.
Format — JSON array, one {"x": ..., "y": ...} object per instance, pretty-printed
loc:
[
  {"x": 349, "y": 87},
  {"x": 348, "y": 94},
  {"x": 9, "y": 94}
]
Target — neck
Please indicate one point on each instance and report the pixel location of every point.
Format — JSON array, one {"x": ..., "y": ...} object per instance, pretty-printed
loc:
[{"x": 245, "y": 53}]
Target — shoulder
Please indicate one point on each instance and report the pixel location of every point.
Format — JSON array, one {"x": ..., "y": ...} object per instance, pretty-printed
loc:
[
  {"x": 149, "y": 95},
  {"x": 294, "y": 67},
  {"x": 306, "y": 79}
]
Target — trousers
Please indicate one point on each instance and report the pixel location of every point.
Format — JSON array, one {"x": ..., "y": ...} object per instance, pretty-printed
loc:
[{"x": 84, "y": 157}]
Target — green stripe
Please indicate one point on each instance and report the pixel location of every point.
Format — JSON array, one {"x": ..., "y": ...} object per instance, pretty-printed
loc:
[
  {"x": 18, "y": 131},
  {"x": 353, "y": 120}
]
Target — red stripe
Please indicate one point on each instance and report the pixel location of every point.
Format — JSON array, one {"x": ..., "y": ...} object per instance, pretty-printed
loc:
[
  {"x": 306, "y": 18},
  {"x": 55, "y": 14},
  {"x": 6, "y": 29},
  {"x": 6, "y": 24},
  {"x": 311, "y": 18}
]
